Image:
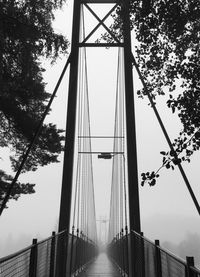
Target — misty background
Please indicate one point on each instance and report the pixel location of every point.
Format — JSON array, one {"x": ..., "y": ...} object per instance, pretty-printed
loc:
[{"x": 167, "y": 211}]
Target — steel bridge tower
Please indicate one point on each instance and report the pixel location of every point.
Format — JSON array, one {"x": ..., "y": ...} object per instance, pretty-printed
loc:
[{"x": 125, "y": 43}]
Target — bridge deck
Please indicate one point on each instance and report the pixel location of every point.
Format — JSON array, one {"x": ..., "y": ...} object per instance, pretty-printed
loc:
[{"x": 101, "y": 267}]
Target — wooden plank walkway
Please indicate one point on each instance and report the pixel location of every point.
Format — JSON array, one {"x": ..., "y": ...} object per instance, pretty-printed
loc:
[{"x": 101, "y": 267}]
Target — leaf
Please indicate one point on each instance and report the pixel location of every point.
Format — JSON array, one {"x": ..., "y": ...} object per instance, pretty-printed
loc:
[
  {"x": 142, "y": 183},
  {"x": 164, "y": 160},
  {"x": 197, "y": 135},
  {"x": 167, "y": 165},
  {"x": 152, "y": 183},
  {"x": 152, "y": 175}
]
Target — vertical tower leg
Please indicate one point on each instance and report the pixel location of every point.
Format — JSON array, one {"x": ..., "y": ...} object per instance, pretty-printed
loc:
[
  {"x": 66, "y": 192},
  {"x": 134, "y": 210},
  {"x": 65, "y": 205}
]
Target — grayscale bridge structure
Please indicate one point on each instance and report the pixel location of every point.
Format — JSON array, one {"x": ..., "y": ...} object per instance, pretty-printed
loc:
[{"x": 74, "y": 249}]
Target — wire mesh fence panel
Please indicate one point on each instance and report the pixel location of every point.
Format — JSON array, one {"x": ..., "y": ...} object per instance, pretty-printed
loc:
[
  {"x": 17, "y": 265},
  {"x": 124, "y": 254},
  {"x": 195, "y": 271},
  {"x": 61, "y": 253},
  {"x": 68, "y": 261},
  {"x": 74, "y": 262},
  {"x": 71, "y": 254},
  {"x": 150, "y": 259},
  {"x": 79, "y": 252},
  {"x": 147, "y": 259},
  {"x": 137, "y": 259},
  {"x": 43, "y": 258},
  {"x": 171, "y": 267}
]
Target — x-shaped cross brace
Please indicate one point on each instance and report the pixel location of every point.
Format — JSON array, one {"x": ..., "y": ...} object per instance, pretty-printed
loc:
[{"x": 101, "y": 23}]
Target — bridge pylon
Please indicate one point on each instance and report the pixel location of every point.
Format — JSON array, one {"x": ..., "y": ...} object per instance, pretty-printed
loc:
[{"x": 123, "y": 41}]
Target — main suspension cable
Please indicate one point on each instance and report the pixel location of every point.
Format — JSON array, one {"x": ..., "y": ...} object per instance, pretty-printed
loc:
[
  {"x": 118, "y": 202},
  {"x": 84, "y": 204}
]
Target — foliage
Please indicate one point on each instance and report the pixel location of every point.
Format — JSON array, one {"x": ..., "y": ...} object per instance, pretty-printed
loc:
[
  {"x": 168, "y": 35},
  {"x": 26, "y": 36},
  {"x": 20, "y": 188}
]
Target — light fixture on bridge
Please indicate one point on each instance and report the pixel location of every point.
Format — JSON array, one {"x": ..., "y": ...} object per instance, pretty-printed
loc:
[{"x": 105, "y": 155}]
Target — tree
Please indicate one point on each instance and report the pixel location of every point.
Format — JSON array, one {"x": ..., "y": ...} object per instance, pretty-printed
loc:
[
  {"x": 168, "y": 36},
  {"x": 26, "y": 36}
]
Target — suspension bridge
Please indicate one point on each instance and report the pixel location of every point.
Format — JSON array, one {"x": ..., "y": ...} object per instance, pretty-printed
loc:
[{"x": 74, "y": 250}]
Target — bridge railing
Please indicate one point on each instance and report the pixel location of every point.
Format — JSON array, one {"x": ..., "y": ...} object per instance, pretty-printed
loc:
[
  {"x": 41, "y": 258},
  {"x": 148, "y": 259}
]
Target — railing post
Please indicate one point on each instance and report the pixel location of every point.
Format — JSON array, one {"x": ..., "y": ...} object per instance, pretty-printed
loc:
[
  {"x": 75, "y": 253},
  {"x": 122, "y": 251},
  {"x": 190, "y": 262},
  {"x": 142, "y": 255},
  {"x": 81, "y": 251},
  {"x": 33, "y": 259},
  {"x": 71, "y": 268},
  {"x": 117, "y": 252},
  {"x": 158, "y": 259},
  {"x": 87, "y": 249},
  {"x": 52, "y": 255},
  {"x": 78, "y": 251},
  {"x": 128, "y": 259}
]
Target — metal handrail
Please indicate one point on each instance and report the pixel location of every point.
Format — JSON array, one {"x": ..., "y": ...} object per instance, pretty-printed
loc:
[
  {"x": 178, "y": 259},
  {"x": 49, "y": 257},
  {"x": 8, "y": 257},
  {"x": 148, "y": 257}
]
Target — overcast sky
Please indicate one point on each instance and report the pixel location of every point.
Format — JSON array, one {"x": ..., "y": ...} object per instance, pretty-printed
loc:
[{"x": 167, "y": 211}]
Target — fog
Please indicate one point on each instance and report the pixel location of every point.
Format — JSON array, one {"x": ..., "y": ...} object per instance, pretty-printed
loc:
[
  {"x": 188, "y": 247},
  {"x": 177, "y": 234},
  {"x": 167, "y": 211}
]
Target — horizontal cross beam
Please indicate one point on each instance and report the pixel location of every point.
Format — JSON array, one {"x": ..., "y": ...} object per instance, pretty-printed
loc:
[
  {"x": 100, "y": 152},
  {"x": 99, "y": 1},
  {"x": 100, "y": 137},
  {"x": 101, "y": 44}
]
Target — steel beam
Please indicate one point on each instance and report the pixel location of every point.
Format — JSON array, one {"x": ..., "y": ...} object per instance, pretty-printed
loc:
[
  {"x": 99, "y": 1},
  {"x": 133, "y": 193},
  {"x": 65, "y": 206},
  {"x": 134, "y": 211},
  {"x": 67, "y": 180}
]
